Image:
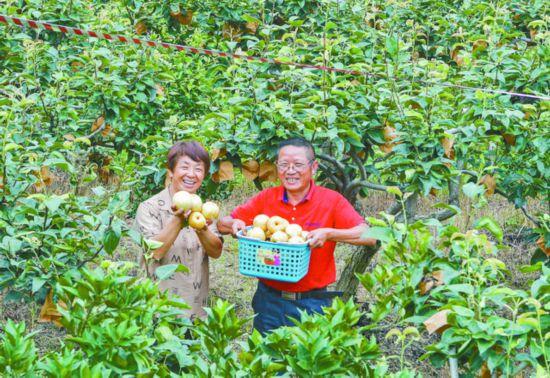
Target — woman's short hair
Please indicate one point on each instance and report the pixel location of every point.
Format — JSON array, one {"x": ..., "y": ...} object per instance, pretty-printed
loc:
[{"x": 193, "y": 149}]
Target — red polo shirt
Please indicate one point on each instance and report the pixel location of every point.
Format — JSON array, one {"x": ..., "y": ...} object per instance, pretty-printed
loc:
[{"x": 321, "y": 208}]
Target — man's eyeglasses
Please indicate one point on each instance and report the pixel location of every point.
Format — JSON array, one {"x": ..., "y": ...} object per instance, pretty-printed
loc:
[{"x": 283, "y": 166}]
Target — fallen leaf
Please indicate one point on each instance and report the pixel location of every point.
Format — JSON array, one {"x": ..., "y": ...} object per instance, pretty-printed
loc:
[
  {"x": 389, "y": 133},
  {"x": 75, "y": 66},
  {"x": 386, "y": 147},
  {"x": 98, "y": 123},
  {"x": 268, "y": 171},
  {"x": 231, "y": 32},
  {"x": 251, "y": 169},
  {"x": 218, "y": 153},
  {"x": 490, "y": 184},
  {"x": 480, "y": 45},
  {"x": 49, "y": 312},
  {"x": 426, "y": 285},
  {"x": 509, "y": 139},
  {"x": 159, "y": 89},
  {"x": 457, "y": 57},
  {"x": 438, "y": 275},
  {"x": 225, "y": 173},
  {"x": 45, "y": 178},
  {"x": 251, "y": 26},
  {"x": 447, "y": 144},
  {"x": 141, "y": 28},
  {"x": 542, "y": 245},
  {"x": 437, "y": 322},
  {"x": 185, "y": 19},
  {"x": 484, "y": 372}
]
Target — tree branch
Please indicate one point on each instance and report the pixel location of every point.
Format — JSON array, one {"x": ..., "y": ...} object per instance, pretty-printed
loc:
[
  {"x": 360, "y": 165},
  {"x": 338, "y": 165},
  {"x": 331, "y": 176},
  {"x": 454, "y": 194},
  {"x": 522, "y": 208},
  {"x": 501, "y": 193}
]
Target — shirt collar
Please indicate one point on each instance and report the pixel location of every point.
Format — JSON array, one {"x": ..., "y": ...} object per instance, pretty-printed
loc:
[{"x": 306, "y": 198}]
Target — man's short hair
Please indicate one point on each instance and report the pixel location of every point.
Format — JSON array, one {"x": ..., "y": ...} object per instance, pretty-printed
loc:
[{"x": 298, "y": 142}]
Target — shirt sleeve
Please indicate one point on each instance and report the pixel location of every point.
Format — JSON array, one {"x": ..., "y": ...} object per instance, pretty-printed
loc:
[
  {"x": 214, "y": 228},
  {"x": 247, "y": 211},
  {"x": 345, "y": 216},
  {"x": 147, "y": 220}
]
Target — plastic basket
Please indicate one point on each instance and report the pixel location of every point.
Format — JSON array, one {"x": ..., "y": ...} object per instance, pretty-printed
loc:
[{"x": 275, "y": 261}]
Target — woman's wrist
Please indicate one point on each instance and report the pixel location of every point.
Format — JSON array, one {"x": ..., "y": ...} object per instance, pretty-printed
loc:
[{"x": 201, "y": 231}]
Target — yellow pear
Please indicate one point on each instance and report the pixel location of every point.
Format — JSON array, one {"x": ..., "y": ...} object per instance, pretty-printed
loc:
[
  {"x": 296, "y": 240},
  {"x": 279, "y": 237},
  {"x": 182, "y": 200},
  {"x": 293, "y": 230},
  {"x": 260, "y": 221},
  {"x": 276, "y": 223},
  {"x": 197, "y": 220},
  {"x": 256, "y": 233},
  {"x": 210, "y": 210},
  {"x": 196, "y": 203}
]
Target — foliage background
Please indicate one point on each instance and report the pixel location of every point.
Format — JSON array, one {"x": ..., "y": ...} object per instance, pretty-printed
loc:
[{"x": 85, "y": 124}]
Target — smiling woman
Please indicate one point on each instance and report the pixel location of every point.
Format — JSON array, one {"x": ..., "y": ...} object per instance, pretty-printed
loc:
[{"x": 157, "y": 218}]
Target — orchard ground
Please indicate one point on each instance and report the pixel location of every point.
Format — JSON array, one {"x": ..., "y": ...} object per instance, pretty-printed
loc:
[{"x": 226, "y": 282}]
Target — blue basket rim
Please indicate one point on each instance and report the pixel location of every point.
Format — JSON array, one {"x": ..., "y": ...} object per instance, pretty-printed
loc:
[{"x": 241, "y": 236}]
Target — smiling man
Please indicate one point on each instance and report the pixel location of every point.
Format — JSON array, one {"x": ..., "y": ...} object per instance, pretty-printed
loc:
[{"x": 328, "y": 217}]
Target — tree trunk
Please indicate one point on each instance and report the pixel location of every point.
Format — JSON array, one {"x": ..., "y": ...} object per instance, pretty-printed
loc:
[
  {"x": 358, "y": 263},
  {"x": 362, "y": 255}
]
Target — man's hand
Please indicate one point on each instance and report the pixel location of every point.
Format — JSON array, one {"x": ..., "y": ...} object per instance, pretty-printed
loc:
[
  {"x": 237, "y": 226},
  {"x": 317, "y": 238}
]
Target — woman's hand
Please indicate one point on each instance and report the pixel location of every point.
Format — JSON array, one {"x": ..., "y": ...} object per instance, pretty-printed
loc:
[{"x": 181, "y": 214}]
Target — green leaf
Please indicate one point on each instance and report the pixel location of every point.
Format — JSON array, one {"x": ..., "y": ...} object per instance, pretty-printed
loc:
[
  {"x": 379, "y": 233},
  {"x": 54, "y": 202},
  {"x": 473, "y": 190},
  {"x": 395, "y": 191},
  {"x": 490, "y": 225},
  {"x": 463, "y": 311},
  {"x": 110, "y": 241},
  {"x": 152, "y": 244},
  {"x": 164, "y": 272},
  {"x": 37, "y": 283}
]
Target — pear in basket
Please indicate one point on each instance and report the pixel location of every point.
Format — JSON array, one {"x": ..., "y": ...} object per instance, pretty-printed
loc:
[
  {"x": 256, "y": 233},
  {"x": 276, "y": 223},
  {"x": 293, "y": 230},
  {"x": 297, "y": 240},
  {"x": 279, "y": 237},
  {"x": 260, "y": 221}
]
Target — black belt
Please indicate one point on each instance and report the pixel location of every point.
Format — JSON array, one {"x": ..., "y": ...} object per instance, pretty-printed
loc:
[{"x": 294, "y": 296}]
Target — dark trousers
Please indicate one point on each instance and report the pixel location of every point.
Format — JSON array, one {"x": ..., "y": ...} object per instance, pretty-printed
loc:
[{"x": 273, "y": 312}]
